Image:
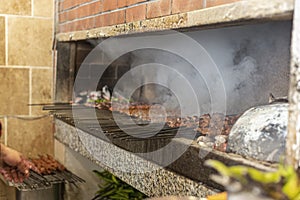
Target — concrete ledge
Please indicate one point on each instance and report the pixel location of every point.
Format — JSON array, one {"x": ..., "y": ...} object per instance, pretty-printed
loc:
[{"x": 235, "y": 13}]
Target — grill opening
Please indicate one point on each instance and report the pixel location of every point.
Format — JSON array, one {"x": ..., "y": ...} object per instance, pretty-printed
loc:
[
  {"x": 253, "y": 61},
  {"x": 150, "y": 85}
]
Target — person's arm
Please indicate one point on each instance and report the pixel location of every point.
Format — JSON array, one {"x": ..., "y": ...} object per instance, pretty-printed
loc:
[
  {"x": 10, "y": 156},
  {"x": 14, "y": 158}
]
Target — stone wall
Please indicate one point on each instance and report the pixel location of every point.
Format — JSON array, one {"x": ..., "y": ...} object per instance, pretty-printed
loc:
[{"x": 26, "y": 74}]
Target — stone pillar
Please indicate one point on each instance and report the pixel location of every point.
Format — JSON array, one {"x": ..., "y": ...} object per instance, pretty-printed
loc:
[{"x": 293, "y": 139}]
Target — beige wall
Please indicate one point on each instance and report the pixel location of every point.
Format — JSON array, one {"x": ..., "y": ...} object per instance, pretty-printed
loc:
[{"x": 26, "y": 71}]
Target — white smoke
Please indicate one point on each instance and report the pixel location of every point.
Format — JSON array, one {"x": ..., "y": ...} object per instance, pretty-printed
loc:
[{"x": 253, "y": 61}]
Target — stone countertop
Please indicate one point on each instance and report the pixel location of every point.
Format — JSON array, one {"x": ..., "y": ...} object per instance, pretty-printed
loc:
[{"x": 145, "y": 176}]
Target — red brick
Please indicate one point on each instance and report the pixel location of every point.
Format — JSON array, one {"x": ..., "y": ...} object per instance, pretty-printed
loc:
[
  {"x": 91, "y": 23},
  {"x": 62, "y": 17},
  {"x": 80, "y": 2},
  {"x": 122, "y": 3},
  {"x": 186, "y": 5},
  {"x": 72, "y": 14},
  {"x": 132, "y": 2},
  {"x": 82, "y": 24},
  {"x": 62, "y": 28},
  {"x": 110, "y": 5},
  {"x": 212, "y": 3},
  {"x": 69, "y": 4},
  {"x": 99, "y": 21},
  {"x": 74, "y": 26},
  {"x": 136, "y": 13},
  {"x": 60, "y": 6},
  {"x": 69, "y": 27},
  {"x": 159, "y": 8},
  {"x": 95, "y": 8},
  {"x": 109, "y": 19},
  {"x": 114, "y": 18},
  {"x": 83, "y": 11}
]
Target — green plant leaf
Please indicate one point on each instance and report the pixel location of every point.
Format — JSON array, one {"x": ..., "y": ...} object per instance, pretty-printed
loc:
[
  {"x": 114, "y": 188},
  {"x": 114, "y": 179},
  {"x": 291, "y": 188},
  {"x": 220, "y": 167},
  {"x": 264, "y": 177}
]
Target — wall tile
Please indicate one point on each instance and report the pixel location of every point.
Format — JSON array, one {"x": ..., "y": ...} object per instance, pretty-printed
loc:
[
  {"x": 16, "y": 7},
  {"x": 44, "y": 8},
  {"x": 59, "y": 151},
  {"x": 29, "y": 41},
  {"x": 2, "y": 41},
  {"x": 42, "y": 84},
  {"x": 14, "y": 91},
  {"x": 31, "y": 137}
]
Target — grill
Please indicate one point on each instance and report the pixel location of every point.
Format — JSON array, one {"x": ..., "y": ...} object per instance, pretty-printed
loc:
[
  {"x": 40, "y": 182},
  {"x": 143, "y": 141},
  {"x": 47, "y": 182},
  {"x": 105, "y": 127}
]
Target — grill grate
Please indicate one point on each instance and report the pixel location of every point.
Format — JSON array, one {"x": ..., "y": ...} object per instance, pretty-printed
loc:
[
  {"x": 104, "y": 127},
  {"x": 37, "y": 181}
]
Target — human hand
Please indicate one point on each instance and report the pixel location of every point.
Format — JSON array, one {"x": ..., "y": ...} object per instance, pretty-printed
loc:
[
  {"x": 16, "y": 161},
  {"x": 12, "y": 174}
]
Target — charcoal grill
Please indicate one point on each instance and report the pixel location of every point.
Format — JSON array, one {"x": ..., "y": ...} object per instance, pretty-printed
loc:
[
  {"x": 110, "y": 130},
  {"x": 112, "y": 133},
  {"x": 47, "y": 187}
]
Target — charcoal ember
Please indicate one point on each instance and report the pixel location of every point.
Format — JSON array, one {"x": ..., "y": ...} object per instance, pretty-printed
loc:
[{"x": 260, "y": 132}]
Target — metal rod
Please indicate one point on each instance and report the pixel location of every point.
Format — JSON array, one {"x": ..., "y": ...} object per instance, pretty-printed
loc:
[{"x": 49, "y": 104}]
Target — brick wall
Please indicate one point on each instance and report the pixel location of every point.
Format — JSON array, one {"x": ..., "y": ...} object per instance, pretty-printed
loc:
[{"x": 88, "y": 14}]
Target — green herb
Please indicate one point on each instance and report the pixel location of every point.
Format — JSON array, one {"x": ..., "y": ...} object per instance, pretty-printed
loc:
[{"x": 115, "y": 188}]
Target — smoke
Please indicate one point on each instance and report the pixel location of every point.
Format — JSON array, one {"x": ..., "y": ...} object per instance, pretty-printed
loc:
[{"x": 252, "y": 59}]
